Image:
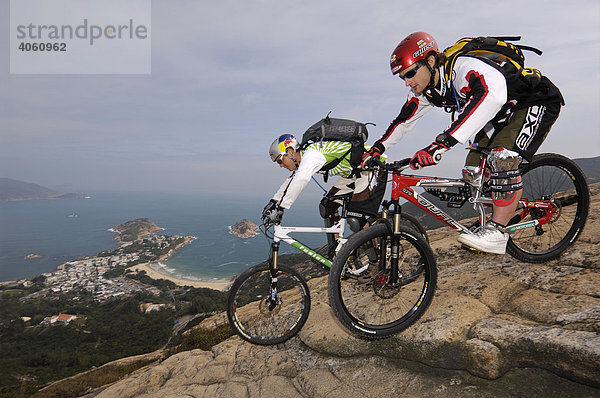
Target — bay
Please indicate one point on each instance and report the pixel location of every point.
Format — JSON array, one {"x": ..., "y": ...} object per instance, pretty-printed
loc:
[{"x": 44, "y": 227}]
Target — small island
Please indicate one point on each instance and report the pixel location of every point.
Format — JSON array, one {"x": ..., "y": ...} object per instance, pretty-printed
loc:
[
  {"x": 244, "y": 229},
  {"x": 135, "y": 229},
  {"x": 32, "y": 256}
]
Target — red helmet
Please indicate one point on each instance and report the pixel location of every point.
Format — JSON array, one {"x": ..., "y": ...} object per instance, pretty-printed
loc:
[{"x": 413, "y": 48}]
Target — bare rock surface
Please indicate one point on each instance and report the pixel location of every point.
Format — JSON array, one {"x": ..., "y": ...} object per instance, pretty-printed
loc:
[
  {"x": 244, "y": 229},
  {"x": 496, "y": 327}
]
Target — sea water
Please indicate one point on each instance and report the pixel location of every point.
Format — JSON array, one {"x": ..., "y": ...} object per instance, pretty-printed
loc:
[{"x": 60, "y": 230}]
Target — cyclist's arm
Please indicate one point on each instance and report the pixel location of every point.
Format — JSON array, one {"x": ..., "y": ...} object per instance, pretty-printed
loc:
[
  {"x": 310, "y": 163},
  {"x": 413, "y": 109},
  {"x": 485, "y": 91}
]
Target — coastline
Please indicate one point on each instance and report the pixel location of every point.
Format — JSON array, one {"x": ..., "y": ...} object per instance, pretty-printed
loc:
[
  {"x": 222, "y": 286},
  {"x": 154, "y": 274}
]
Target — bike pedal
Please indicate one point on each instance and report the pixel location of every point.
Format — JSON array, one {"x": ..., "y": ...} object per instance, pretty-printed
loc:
[{"x": 472, "y": 250}]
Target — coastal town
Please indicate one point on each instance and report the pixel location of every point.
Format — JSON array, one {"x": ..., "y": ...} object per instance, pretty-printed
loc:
[{"x": 104, "y": 275}]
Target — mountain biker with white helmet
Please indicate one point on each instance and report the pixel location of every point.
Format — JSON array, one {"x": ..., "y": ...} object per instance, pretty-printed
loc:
[
  {"x": 492, "y": 102},
  {"x": 367, "y": 189}
]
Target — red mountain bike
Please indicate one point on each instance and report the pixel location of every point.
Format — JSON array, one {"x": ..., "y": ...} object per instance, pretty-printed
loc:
[{"x": 399, "y": 283}]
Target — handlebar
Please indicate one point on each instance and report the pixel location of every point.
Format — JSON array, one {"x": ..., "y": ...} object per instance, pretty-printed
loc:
[{"x": 396, "y": 166}]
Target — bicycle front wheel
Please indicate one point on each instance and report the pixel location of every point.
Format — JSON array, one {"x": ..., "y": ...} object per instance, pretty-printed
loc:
[
  {"x": 558, "y": 184},
  {"x": 249, "y": 308},
  {"x": 379, "y": 302}
]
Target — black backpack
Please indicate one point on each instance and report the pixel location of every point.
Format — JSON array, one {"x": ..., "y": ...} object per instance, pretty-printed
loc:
[
  {"x": 331, "y": 129},
  {"x": 493, "y": 48}
]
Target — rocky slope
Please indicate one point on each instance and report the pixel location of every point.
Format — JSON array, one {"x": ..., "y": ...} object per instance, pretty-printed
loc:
[{"x": 496, "y": 327}]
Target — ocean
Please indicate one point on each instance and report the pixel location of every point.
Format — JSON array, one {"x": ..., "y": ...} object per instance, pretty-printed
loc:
[{"x": 60, "y": 230}]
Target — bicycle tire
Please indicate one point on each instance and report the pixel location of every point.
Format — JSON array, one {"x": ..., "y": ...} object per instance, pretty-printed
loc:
[
  {"x": 559, "y": 179},
  {"x": 364, "y": 304},
  {"x": 414, "y": 223},
  {"x": 249, "y": 314}
]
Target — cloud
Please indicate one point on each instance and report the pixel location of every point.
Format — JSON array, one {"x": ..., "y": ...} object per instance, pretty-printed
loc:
[{"x": 229, "y": 76}]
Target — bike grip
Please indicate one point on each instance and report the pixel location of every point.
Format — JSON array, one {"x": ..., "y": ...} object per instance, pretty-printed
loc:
[
  {"x": 403, "y": 162},
  {"x": 378, "y": 162}
]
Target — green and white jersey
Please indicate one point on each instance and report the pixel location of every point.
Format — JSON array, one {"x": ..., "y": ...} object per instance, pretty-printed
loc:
[
  {"x": 333, "y": 150},
  {"x": 313, "y": 158}
]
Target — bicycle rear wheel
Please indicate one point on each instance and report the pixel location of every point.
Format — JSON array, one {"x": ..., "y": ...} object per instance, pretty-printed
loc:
[
  {"x": 248, "y": 305},
  {"x": 372, "y": 305},
  {"x": 557, "y": 181}
]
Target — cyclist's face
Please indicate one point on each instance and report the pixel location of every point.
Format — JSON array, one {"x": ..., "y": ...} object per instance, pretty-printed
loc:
[
  {"x": 419, "y": 76},
  {"x": 286, "y": 162}
]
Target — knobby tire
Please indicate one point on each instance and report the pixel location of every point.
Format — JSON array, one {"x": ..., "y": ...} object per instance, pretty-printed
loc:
[
  {"x": 247, "y": 305},
  {"x": 558, "y": 179},
  {"x": 369, "y": 305}
]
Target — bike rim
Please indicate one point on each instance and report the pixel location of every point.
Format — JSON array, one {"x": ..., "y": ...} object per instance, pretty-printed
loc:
[
  {"x": 374, "y": 305},
  {"x": 559, "y": 186},
  {"x": 251, "y": 315}
]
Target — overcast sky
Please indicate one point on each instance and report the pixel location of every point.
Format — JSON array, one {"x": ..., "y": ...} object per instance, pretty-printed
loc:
[{"x": 229, "y": 76}]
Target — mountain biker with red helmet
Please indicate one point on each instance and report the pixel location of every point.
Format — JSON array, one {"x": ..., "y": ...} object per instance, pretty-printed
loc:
[
  {"x": 367, "y": 189},
  {"x": 492, "y": 103}
]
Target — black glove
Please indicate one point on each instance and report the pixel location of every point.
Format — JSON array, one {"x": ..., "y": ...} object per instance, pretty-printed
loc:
[
  {"x": 273, "y": 216},
  {"x": 372, "y": 163},
  {"x": 270, "y": 206}
]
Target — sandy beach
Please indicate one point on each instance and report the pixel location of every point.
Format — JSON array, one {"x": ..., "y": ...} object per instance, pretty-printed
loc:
[{"x": 179, "y": 281}]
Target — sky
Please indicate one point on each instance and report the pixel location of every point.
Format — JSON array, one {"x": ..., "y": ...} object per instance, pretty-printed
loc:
[{"x": 228, "y": 77}]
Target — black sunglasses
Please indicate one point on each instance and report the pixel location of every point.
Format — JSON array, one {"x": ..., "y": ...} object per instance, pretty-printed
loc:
[
  {"x": 411, "y": 73},
  {"x": 279, "y": 160}
]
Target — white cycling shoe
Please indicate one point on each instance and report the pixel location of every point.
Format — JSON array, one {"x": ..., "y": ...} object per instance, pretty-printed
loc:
[{"x": 489, "y": 239}]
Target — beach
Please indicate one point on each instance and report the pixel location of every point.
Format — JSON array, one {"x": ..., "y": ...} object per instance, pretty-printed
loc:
[
  {"x": 222, "y": 286},
  {"x": 154, "y": 274}
]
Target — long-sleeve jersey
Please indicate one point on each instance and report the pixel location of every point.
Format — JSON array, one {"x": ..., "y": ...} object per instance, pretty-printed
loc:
[
  {"x": 480, "y": 90},
  {"x": 310, "y": 163},
  {"x": 313, "y": 158}
]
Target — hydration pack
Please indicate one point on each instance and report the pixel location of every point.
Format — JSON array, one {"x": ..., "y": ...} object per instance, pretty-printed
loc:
[
  {"x": 496, "y": 49},
  {"x": 344, "y": 130}
]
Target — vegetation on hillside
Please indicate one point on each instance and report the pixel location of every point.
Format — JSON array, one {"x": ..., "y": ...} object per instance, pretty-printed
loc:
[{"x": 32, "y": 354}]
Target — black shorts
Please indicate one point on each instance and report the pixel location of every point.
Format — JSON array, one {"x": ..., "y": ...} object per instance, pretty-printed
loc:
[
  {"x": 523, "y": 131},
  {"x": 366, "y": 195}
]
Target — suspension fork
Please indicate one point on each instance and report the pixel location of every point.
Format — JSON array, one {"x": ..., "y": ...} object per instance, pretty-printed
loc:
[
  {"x": 394, "y": 234},
  {"x": 395, "y": 243},
  {"x": 274, "y": 270}
]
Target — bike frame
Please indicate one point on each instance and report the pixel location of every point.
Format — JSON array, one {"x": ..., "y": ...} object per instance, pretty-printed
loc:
[
  {"x": 281, "y": 234},
  {"x": 402, "y": 188}
]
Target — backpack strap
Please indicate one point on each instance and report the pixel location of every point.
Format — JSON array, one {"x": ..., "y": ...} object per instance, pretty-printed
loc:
[
  {"x": 325, "y": 169},
  {"x": 484, "y": 46}
]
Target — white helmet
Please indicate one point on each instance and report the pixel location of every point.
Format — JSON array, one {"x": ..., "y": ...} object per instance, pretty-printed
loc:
[{"x": 281, "y": 144}]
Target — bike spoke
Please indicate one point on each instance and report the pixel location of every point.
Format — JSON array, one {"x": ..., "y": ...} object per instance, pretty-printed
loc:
[
  {"x": 250, "y": 313},
  {"x": 546, "y": 181},
  {"x": 379, "y": 301}
]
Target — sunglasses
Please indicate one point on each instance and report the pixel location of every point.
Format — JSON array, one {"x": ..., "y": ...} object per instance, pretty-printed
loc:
[
  {"x": 411, "y": 73},
  {"x": 279, "y": 159}
]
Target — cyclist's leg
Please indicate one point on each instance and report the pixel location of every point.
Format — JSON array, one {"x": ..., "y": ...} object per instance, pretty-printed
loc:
[
  {"x": 526, "y": 130},
  {"x": 369, "y": 190},
  {"x": 513, "y": 137},
  {"x": 328, "y": 209}
]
